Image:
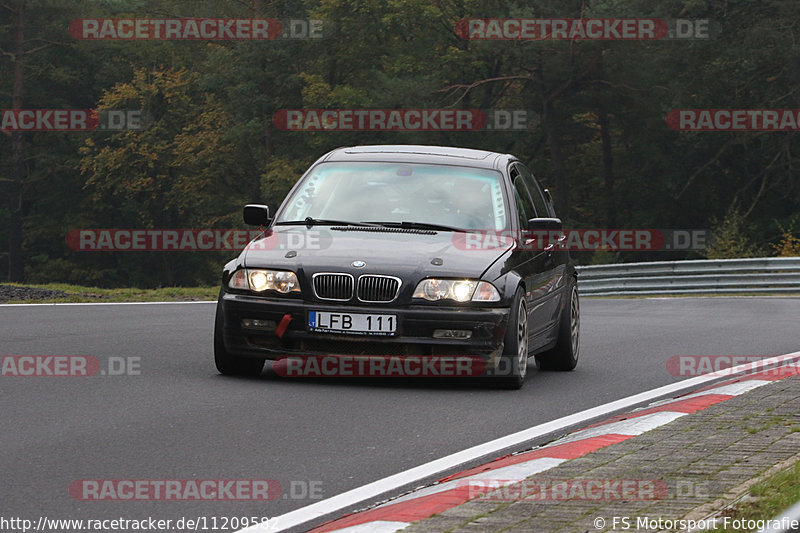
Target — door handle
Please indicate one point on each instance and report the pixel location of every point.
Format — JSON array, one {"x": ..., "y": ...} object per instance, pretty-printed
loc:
[{"x": 559, "y": 241}]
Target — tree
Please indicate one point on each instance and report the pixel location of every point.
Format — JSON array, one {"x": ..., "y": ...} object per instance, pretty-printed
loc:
[{"x": 22, "y": 49}]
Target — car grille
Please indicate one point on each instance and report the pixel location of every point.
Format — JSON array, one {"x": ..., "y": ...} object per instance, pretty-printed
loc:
[
  {"x": 372, "y": 288},
  {"x": 333, "y": 286}
]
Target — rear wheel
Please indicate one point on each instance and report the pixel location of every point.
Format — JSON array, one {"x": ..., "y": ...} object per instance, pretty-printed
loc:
[
  {"x": 513, "y": 364},
  {"x": 564, "y": 356},
  {"x": 231, "y": 365}
]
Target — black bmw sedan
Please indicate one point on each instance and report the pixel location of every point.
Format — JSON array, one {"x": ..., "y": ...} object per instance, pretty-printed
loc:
[{"x": 404, "y": 252}]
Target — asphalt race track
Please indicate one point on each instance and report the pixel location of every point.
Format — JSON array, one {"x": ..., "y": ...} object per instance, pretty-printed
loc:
[{"x": 175, "y": 418}]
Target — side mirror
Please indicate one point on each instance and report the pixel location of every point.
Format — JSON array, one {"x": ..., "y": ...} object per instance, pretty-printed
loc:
[
  {"x": 256, "y": 214},
  {"x": 545, "y": 232},
  {"x": 544, "y": 224}
]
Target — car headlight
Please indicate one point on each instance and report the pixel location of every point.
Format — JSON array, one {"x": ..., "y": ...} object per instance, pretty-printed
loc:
[
  {"x": 460, "y": 290},
  {"x": 260, "y": 280}
]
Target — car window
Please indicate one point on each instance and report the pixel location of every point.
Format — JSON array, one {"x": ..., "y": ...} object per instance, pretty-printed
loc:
[
  {"x": 522, "y": 214},
  {"x": 539, "y": 202},
  {"x": 525, "y": 207},
  {"x": 463, "y": 197}
]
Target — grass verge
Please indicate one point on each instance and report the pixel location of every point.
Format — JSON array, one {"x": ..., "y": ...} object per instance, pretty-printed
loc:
[
  {"x": 27, "y": 293},
  {"x": 768, "y": 498}
]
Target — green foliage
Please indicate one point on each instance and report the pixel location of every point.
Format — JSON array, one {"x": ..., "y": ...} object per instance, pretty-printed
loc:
[
  {"x": 731, "y": 240},
  {"x": 788, "y": 246},
  {"x": 602, "y": 145},
  {"x": 280, "y": 176}
]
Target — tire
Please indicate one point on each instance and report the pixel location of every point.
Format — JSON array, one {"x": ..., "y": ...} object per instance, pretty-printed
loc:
[
  {"x": 227, "y": 364},
  {"x": 564, "y": 356},
  {"x": 513, "y": 363}
]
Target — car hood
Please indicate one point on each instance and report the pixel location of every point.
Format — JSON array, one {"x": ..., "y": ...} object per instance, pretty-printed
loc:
[{"x": 399, "y": 252}]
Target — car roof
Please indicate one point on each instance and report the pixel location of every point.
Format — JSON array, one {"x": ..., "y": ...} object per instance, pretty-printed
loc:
[{"x": 415, "y": 153}]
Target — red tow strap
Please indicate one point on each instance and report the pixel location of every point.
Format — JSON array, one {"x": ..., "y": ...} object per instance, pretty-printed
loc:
[{"x": 284, "y": 323}]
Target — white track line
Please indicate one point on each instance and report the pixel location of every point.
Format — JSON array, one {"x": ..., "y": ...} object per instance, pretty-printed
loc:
[
  {"x": 394, "y": 482},
  {"x": 511, "y": 473},
  {"x": 109, "y": 303},
  {"x": 734, "y": 389},
  {"x": 380, "y": 526},
  {"x": 630, "y": 426}
]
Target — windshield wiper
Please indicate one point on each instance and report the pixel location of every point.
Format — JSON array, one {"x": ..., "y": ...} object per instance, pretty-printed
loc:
[
  {"x": 309, "y": 221},
  {"x": 419, "y": 225}
]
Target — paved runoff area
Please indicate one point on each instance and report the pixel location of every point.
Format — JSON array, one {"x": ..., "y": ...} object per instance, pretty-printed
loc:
[{"x": 673, "y": 465}]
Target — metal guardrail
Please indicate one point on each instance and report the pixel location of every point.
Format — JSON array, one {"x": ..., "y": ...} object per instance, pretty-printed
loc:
[{"x": 762, "y": 275}]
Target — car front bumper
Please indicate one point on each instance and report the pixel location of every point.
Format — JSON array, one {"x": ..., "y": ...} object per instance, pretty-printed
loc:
[{"x": 414, "y": 335}]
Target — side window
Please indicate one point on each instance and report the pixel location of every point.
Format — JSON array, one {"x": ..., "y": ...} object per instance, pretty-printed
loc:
[
  {"x": 522, "y": 215},
  {"x": 525, "y": 207},
  {"x": 537, "y": 196}
]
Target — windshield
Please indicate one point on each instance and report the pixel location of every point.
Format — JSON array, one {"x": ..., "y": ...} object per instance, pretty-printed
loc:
[{"x": 461, "y": 197}]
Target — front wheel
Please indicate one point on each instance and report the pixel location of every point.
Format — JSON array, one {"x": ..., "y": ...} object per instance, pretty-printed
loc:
[
  {"x": 513, "y": 364},
  {"x": 564, "y": 356},
  {"x": 228, "y": 364}
]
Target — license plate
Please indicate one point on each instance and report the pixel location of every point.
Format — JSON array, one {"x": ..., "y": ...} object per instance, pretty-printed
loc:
[{"x": 353, "y": 323}]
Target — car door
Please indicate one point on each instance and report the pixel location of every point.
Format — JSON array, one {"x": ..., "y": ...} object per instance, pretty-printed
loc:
[
  {"x": 532, "y": 265},
  {"x": 548, "y": 282},
  {"x": 553, "y": 281}
]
